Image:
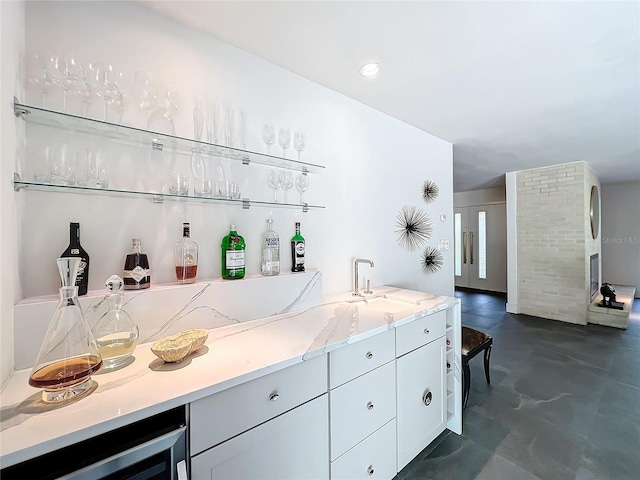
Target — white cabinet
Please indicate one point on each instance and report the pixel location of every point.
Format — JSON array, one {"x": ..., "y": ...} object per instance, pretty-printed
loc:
[
  {"x": 421, "y": 398},
  {"x": 292, "y": 446}
]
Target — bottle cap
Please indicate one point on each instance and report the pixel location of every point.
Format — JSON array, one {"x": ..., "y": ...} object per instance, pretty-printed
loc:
[
  {"x": 233, "y": 227},
  {"x": 136, "y": 242}
]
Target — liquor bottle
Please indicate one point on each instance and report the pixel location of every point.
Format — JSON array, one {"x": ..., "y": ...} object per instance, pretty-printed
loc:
[
  {"x": 136, "y": 268},
  {"x": 233, "y": 247},
  {"x": 270, "y": 251},
  {"x": 297, "y": 251},
  {"x": 75, "y": 250},
  {"x": 186, "y": 257}
]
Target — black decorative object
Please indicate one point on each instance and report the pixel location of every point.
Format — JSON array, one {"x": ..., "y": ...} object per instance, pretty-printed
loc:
[
  {"x": 432, "y": 260},
  {"x": 430, "y": 191},
  {"x": 414, "y": 227},
  {"x": 609, "y": 297}
]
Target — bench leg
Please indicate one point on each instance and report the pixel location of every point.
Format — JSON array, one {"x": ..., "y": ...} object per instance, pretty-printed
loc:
[
  {"x": 487, "y": 357},
  {"x": 466, "y": 382}
]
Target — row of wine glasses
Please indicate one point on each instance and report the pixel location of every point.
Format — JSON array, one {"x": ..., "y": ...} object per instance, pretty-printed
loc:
[
  {"x": 284, "y": 179},
  {"x": 284, "y": 139}
]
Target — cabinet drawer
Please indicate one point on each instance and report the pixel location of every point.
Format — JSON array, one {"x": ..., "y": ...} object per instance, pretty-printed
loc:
[
  {"x": 359, "y": 358},
  {"x": 420, "y": 332},
  {"x": 360, "y": 407},
  {"x": 218, "y": 417},
  {"x": 292, "y": 446},
  {"x": 374, "y": 457}
]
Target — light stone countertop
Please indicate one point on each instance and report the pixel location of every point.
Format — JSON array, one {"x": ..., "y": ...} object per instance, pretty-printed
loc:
[{"x": 232, "y": 355}]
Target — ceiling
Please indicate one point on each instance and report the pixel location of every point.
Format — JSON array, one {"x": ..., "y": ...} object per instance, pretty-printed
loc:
[{"x": 513, "y": 85}]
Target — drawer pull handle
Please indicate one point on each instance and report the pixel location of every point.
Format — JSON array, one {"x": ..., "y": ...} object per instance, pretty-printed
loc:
[
  {"x": 369, "y": 355},
  {"x": 370, "y": 470},
  {"x": 369, "y": 406},
  {"x": 426, "y": 330},
  {"x": 274, "y": 397},
  {"x": 427, "y": 396}
]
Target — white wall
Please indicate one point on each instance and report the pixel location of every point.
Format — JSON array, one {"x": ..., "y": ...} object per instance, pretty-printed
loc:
[
  {"x": 375, "y": 164},
  {"x": 620, "y": 225},
  {"x": 485, "y": 196},
  {"x": 11, "y": 136}
]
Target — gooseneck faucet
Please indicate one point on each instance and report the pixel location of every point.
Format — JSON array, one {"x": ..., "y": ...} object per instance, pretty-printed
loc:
[{"x": 356, "y": 290}]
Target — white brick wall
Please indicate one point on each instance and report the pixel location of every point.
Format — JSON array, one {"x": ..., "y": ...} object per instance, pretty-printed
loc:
[{"x": 554, "y": 241}]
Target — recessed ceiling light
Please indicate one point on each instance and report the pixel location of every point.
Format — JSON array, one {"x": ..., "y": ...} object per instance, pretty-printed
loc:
[{"x": 369, "y": 69}]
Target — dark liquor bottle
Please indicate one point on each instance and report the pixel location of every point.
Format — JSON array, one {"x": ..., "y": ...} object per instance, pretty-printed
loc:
[
  {"x": 233, "y": 259},
  {"x": 297, "y": 251},
  {"x": 186, "y": 257},
  {"x": 75, "y": 250},
  {"x": 137, "y": 274}
]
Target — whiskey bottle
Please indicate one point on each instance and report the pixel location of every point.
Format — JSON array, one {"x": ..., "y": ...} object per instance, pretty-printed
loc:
[
  {"x": 297, "y": 251},
  {"x": 270, "y": 251},
  {"x": 185, "y": 254},
  {"x": 233, "y": 259},
  {"x": 75, "y": 250},
  {"x": 137, "y": 274}
]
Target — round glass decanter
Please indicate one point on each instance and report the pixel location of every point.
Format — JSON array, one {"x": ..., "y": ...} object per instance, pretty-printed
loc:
[
  {"x": 69, "y": 354},
  {"x": 115, "y": 332}
]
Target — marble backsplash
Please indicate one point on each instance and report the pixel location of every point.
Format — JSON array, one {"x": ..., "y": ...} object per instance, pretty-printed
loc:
[{"x": 167, "y": 309}]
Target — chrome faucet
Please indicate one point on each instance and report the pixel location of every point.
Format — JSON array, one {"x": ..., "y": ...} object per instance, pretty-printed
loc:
[{"x": 356, "y": 290}]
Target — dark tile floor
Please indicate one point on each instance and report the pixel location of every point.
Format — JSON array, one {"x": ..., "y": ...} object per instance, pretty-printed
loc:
[{"x": 564, "y": 402}]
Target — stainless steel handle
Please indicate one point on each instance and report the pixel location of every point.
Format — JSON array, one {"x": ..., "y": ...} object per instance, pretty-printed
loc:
[
  {"x": 274, "y": 397},
  {"x": 471, "y": 247},
  {"x": 370, "y": 470},
  {"x": 427, "y": 396},
  {"x": 369, "y": 355},
  {"x": 464, "y": 247},
  {"x": 369, "y": 406}
]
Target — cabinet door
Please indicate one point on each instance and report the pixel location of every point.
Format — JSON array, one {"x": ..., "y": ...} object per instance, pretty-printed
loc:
[
  {"x": 292, "y": 446},
  {"x": 421, "y": 417}
]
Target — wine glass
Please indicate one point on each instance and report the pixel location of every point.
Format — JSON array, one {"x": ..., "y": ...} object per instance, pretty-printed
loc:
[
  {"x": 286, "y": 180},
  {"x": 284, "y": 139},
  {"x": 169, "y": 101},
  {"x": 268, "y": 135},
  {"x": 120, "y": 94},
  {"x": 39, "y": 76},
  {"x": 103, "y": 83},
  {"x": 302, "y": 183},
  {"x": 66, "y": 72},
  {"x": 228, "y": 124},
  {"x": 275, "y": 183},
  {"x": 299, "y": 142},
  {"x": 85, "y": 92},
  {"x": 242, "y": 114},
  {"x": 144, "y": 92}
]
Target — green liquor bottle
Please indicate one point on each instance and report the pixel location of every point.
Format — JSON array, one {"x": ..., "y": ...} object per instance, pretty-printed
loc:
[
  {"x": 233, "y": 262},
  {"x": 297, "y": 251}
]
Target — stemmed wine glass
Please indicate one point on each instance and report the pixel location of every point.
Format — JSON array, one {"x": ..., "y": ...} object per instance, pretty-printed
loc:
[
  {"x": 39, "y": 76},
  {"x": 85, "y": 91},
  {"x": 103, "y": 83},
  {"x": 302, "y": 183},
  {"x": 268, "y": 135},
  {"x": 169, "y": 101},
  {"x": 275, "y": 181},
  {"x": 66, "y": 73},
  {"x": 228, "y": 124},
  {"x": 299, "y": 142},
  {"x": 284, "y": 139},
  {"x": 144, "y": 92},
  {"x": 286, "y": 180},
  {"x": 120, "y": 93}
]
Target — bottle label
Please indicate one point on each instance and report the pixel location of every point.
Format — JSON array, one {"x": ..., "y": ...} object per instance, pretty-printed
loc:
[
  {"x": 235, "y": 259},
  {"x": 137, "y": 274},
  {"x": 75, "y": 251},
  {"x": 272, "y": 242},
  {"x": 300, "y": 250}
]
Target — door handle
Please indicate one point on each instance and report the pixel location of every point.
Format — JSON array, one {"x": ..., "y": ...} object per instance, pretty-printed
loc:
[
  {"x": 464, "y": 247},
  {"x": 471, "y": 247}
]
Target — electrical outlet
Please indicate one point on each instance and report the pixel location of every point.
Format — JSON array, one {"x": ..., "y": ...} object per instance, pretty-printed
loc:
[{"x": 443, "y": 244}]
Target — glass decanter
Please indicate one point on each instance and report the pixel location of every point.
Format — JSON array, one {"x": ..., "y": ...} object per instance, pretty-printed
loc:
[
  {"x": 69, "y": 354},
  {"x": 115, "y": 332}
]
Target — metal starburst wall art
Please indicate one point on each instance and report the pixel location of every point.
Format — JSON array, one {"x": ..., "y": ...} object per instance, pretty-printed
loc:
[
  {"x": 430, "y": 191},
  {"x": 432, "y": 260},
  {"x": 414, "y": 227}
]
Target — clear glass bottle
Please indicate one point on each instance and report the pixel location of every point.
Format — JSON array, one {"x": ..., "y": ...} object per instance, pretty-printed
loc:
[
  {"x": 186, "y": 257},
  {"x": 115, "y": 332},
  {"x": 297, "y": 251},
  {"x": 69, "y": 354},
  {"x": 270, "y": 251},
  {"x": 233, "y": 258},
  {"x": 75, "y": 250},
  {"x": 137, "y": 274}
]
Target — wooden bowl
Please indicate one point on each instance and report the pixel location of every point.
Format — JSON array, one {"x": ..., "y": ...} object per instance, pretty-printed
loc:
[{"x": 176, "y": 348}]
